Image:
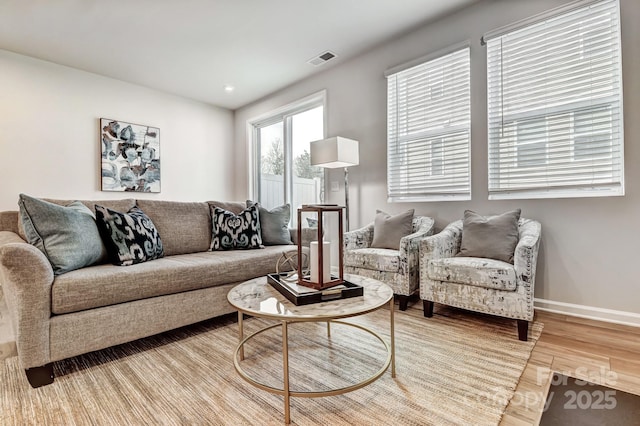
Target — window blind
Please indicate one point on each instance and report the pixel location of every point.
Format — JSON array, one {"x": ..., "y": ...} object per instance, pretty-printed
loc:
[
  {"x": 555, "y": 106},
  {"x": 428, "y": 124}
]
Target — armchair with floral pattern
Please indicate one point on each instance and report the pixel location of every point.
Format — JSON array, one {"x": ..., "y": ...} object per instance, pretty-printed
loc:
[{"x": 397, "y": 268}]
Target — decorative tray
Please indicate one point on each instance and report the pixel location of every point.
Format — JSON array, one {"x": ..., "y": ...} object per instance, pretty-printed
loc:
[{"x": 301, "y": 295}]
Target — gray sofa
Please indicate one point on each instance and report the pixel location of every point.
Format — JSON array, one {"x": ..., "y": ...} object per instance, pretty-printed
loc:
[{"x": 61, "y": 316}]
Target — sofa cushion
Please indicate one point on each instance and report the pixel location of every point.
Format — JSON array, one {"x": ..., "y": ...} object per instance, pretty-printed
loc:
[
  {"x": 274, "y": 224},
  {"x": 130, "y": 237},
  {"x": 233, "y": 206},
  {"x": 231, "y": 231},
  {"x": 67, "y": 235},
  {"x": 493, "y": 237},
  {"x": 377, "y": 259},
  {"x": 479, "y": 272},
  {"x": 104, "y": 285},
  {"x": 184, "y": 227},
  {"x": 117, "y": 205},
  {"x": 389, "y": 230}
]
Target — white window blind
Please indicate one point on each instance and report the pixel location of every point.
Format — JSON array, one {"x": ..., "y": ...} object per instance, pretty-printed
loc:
[
  {"x": 428, "y": 113},
  {"x": 555, "y": 106}
]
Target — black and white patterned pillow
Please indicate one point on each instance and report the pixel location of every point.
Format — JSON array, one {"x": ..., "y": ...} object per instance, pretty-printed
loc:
[
  {"x": 231, "y": 231},
  {"x": 130, "y": 237}
]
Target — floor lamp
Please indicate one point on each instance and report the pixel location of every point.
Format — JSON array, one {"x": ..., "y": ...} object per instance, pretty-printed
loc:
[{"x": 333, "y": 153}]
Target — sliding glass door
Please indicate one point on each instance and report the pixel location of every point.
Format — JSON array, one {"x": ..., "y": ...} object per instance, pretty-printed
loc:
[{"x": 282, "y": 172}]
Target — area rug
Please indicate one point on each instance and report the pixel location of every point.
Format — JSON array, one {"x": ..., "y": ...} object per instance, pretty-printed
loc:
[
  {"x": 454, "y": 368},
  {"x": 572, "y": 401}
]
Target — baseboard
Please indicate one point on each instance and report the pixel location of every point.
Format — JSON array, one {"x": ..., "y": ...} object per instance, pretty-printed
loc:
[{"x": 589, "y": 312}]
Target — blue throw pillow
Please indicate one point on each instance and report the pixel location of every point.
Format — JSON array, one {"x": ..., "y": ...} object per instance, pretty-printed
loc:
[
  {"x": 67, "y": 235},
  {"x": 230, "y": 231},
  {"x": 130, "y": 237}
]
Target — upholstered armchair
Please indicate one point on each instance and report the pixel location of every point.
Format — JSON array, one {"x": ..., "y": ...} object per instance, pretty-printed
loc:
[
  {"x": 397, "y": 268},
  {"x": 480, "y": 284}
]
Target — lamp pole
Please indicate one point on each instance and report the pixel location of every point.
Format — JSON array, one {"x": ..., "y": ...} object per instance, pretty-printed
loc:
[{"x": 346, "y": 196}]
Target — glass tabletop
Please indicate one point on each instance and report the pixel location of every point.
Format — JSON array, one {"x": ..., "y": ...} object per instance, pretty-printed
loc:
[{"x": 257, "y": 297}]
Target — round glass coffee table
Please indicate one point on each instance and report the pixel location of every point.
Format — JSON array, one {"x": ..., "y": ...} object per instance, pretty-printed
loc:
[{"x": 258, "y": 298}]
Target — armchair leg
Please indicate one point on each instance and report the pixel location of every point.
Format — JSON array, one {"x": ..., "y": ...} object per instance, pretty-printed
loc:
[
  {"x": 40, "y": 376},
  {"x": 403, "y": 302},
  {"x": 427, "y": 308},
  {"x": 523, "y": 330}
]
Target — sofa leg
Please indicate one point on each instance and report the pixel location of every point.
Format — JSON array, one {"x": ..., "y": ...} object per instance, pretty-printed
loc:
[
  {"x": 523, "y": 330},
  {"x": 427, "y": 307},
  {"x": 403, "y": 302},
  {"x": 40, "y": 376}
]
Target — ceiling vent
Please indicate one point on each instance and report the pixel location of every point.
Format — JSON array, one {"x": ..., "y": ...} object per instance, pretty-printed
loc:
[{"x": 322, "y": 58}]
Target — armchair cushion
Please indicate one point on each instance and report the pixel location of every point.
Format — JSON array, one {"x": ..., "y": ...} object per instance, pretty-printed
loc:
[
  {"x": 479, "y": 272},
  {"x": 375, "y": 259},
  {"x": 388, "y": 230},
  {"x": 493, "y": 237}
]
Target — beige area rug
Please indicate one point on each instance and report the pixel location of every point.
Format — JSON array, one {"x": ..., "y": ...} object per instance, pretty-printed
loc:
[{"x": 454, "y": 368}]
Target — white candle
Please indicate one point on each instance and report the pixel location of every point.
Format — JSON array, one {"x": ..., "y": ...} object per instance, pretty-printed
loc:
[{"x": 313, "y": 262}]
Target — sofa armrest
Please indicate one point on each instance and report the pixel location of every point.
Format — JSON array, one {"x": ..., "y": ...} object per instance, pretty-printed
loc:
[
  {"x": 26, "y": 276},
  {"x": 9, "y": 221},
  {"x": 359, "y": 238},
  {"x": 444, "y": 244},
  {"x": 525, "y": 258}
]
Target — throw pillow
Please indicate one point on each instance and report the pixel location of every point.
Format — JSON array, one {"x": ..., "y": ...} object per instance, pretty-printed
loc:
[
  {"x": 274, "y": 224},
  {"x": 389, "y": 230},
  {"x": 67, "y": 235},
  {"x": 130, "y": 237},
  {"x": 493, "y": 237},
  {"x": 231, "y": 231}
]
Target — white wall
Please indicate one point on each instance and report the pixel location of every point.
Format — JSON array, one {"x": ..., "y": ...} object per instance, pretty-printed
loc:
[
  {"x": 589, "y": 252},
  {"x": 49, "y": 135}
]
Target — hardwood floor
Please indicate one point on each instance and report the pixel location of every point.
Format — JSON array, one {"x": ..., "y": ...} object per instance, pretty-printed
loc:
[{"x": 600, "y": 352}]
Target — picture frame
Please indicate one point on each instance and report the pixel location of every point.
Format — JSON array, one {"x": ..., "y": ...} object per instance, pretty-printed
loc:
[{"x": 130, "y": 156}]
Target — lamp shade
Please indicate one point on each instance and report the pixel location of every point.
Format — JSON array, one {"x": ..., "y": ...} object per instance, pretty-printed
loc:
[{"x": 335, "y": 152}]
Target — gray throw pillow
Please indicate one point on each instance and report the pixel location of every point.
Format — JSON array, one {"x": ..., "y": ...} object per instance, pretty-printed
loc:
[
  {"x": 389, "y": 230},
  {"x": 493, "y": 237},
  {"x": 67, "y": 235},
  {"x": 274, "y": 224}
]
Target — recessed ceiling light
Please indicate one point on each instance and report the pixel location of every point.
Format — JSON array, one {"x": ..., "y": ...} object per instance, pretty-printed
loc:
[{"x": 228, "y": 88}]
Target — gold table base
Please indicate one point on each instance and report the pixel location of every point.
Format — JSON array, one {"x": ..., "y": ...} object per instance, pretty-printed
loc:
[{"x": 286, "y": 391}]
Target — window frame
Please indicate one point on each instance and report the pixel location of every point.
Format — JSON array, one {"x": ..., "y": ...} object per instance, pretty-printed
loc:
[
  {"x": 611, "y": 100},
  {"x": 400, "y": 141},
  {"x": 284, "y": 114}
]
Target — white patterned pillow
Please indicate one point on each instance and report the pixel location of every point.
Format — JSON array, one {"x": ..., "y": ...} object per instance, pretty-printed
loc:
[
  {"x": 130, "y": 237},
  {"x": 231, "y": 231}
]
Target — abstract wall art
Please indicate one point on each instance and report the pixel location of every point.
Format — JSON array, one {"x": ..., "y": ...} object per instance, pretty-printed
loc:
[{"x": 130, "y": 156}]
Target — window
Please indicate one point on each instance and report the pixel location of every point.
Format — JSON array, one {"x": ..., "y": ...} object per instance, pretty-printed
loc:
[
  {"x": 555, "y": 106},
  {"x": 281, "y": 171},
  {"x": 428, "y": 126}
]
